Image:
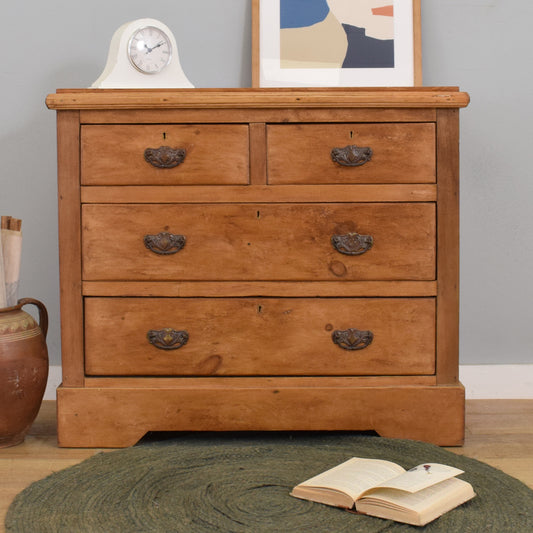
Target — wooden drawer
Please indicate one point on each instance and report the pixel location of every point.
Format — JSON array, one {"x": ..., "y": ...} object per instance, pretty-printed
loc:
[
  {"x": 115, "y": 154},
  {"x": 391, "y": 241},
  {"x": 302, "y": 153},
  {"x": 259, "y": 336}
]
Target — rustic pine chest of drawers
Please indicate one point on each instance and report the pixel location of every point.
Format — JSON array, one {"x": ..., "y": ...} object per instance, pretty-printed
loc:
[{"x": 255, "y": 259}]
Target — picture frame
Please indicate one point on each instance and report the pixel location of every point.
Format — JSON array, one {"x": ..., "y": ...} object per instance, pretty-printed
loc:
[{"x": 284, "y": 39}]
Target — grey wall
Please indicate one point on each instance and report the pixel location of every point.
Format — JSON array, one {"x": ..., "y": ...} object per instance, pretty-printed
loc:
[{"x": 484, "y": 46}]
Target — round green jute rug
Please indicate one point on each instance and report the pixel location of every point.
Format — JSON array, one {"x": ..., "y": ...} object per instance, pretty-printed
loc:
[{"x": 240, "y": 484}]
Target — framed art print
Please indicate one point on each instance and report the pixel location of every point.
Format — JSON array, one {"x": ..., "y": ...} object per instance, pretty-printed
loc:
[{"x": 336, "y": 43}]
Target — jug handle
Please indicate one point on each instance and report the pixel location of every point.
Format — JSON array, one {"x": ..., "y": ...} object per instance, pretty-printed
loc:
[{"x": 43, "y": 314}]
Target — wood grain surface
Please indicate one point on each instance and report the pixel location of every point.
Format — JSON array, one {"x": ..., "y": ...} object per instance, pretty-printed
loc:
[
  {"x": 282, "y": 336},
  {"x": 114, "y": 154},
  {"x": 259, "y": 241},
  {"x": 301, "y": 153}
]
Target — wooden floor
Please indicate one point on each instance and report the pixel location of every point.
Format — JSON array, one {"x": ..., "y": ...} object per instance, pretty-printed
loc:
[{"x": 498, "y": 432}]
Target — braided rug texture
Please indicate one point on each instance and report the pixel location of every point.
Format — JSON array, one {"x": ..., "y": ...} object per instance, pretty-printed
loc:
[{"x": 240, "y": 484}]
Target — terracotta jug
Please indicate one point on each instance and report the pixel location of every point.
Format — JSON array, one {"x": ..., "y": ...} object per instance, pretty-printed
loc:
[{"x": 23, "y": 369}]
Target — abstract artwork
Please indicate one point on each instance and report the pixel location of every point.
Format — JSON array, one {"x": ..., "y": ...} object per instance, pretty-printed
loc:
[
  {"x": 358, "y": 34},
  {"x": 336, "y": 42}
]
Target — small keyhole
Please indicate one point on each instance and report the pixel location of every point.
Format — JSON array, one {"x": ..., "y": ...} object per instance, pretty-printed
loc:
[
  {"x": 258, "y": 214},
  {"x": 351, "y": 135},
  {"x": 164, "y": 135},
  {"x": 259, "y": 308}
]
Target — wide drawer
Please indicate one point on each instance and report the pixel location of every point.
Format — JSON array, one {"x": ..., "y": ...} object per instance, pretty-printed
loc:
[
  {"x": 324, "y": 153},
  {"x": 259, "y": 336},
  {"x": 164, "y": 154},
  {"x": 352, "y": 241}
]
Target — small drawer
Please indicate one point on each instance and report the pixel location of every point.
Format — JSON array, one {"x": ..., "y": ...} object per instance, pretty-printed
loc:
[
  {"x": 259, "y": 336},
  {"x": 351, "y": 153},
  {"x": 164, "y": 154},
  {"x": 297, "y": 242}
]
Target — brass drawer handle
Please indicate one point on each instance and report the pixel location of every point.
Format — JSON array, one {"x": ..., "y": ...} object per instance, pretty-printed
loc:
[
  {"x": 352, "y": 243},
  {"x": 352, "y": 339},
  {"x": 351, "y": 155},
  {"x": 164, "y": 243},
  {"x": 167, "y": 338},
  {"x": 164, "y": 156}
]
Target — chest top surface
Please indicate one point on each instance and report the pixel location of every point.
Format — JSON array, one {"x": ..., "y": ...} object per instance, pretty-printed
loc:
[{"x": 433, "y": 97}]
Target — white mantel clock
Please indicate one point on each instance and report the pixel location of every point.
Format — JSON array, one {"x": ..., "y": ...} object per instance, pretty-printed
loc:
[{"x": 142, "y": 54}]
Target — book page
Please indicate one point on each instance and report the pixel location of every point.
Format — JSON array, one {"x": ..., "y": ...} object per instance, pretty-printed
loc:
[
  {"x": 417, "y": 508},
  {"x": 421, "y": 477},
  {"x": 431, "y": 497},
  {"x": 355, "y": 476}
]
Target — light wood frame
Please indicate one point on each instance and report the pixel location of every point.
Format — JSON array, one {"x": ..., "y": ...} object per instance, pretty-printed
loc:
[{"x": 417, "y": 43}]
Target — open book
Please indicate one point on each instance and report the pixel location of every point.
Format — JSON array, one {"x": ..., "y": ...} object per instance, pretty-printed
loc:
[{"x": 384, "y": 489}]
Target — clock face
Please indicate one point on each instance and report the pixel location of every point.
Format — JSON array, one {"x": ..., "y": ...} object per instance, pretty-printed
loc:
[{"x": 149, "y": 50}]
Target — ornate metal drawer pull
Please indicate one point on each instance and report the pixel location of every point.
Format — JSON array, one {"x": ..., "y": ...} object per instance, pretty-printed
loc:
[
  {"x": 351, "y": 155},
  {"x": 164, "y": 156},
  {"x": 167, "y": 338},
  {"x": 352, "y": 243},
  {"x": 352, "y": 339},
  {"x": 164, "y": 243}
]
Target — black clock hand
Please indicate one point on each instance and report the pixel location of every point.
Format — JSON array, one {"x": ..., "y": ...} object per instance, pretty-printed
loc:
[{"x": 148, "y": 49}]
